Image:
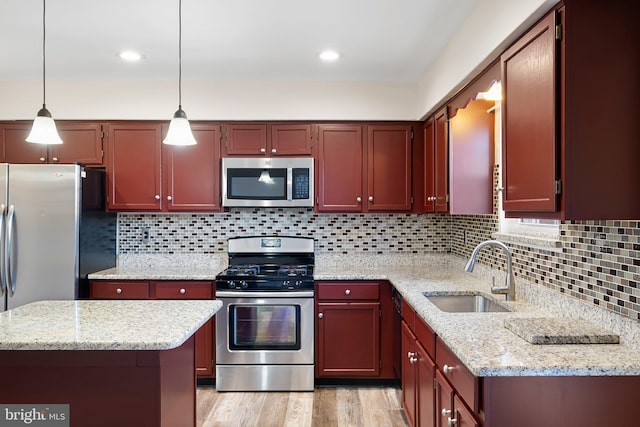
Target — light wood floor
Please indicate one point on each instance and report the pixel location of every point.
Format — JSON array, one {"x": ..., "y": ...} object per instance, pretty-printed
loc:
[{"x": 326, "y": 406}]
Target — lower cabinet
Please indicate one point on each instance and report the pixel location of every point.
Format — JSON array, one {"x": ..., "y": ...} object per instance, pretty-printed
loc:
[
  {"x": 140, "y": 289},
  {"x": 354, "y": 330}
]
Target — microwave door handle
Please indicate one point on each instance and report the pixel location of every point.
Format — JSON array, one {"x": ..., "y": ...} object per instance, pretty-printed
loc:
[{"x": 289, "y": 184}]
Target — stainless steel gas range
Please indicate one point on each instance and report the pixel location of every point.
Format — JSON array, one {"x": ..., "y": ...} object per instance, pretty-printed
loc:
[{"x": 264, "y": 332}]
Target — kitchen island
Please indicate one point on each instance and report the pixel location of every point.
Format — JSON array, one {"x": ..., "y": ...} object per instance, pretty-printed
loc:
[{"x": 125, "y": 363}]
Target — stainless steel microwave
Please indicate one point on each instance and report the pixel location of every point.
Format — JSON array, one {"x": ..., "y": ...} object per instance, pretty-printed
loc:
[{"x": 267, "y": 182}]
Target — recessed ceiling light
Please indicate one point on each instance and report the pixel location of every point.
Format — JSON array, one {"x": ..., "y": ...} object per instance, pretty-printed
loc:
[
  {"x": 130, "y": 55},
  {"x": 329, "y": 55}
]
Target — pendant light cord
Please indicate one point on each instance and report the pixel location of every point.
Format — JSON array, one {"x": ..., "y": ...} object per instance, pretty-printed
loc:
[
  {"x": 44, "y": 62},
  {"x": 179, "y": 54}
]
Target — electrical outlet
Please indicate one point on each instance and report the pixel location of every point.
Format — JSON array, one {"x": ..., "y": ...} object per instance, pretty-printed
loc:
[{"x": 146, "y": 233}]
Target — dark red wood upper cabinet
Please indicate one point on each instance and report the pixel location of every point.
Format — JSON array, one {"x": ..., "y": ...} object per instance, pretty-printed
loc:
[
  {"x": 388, "y": 168},
  {"x": 429, "y": 165},
  {"x": 290, "y": 139},
  {"x": 340, "y": 168},
  {"x": 192, "y": 173},
  {"x": 82, "y": 143},
  {"x": 530, "y": 136},
  {"x": 441, "y": 162},
  {"x": 245, "y": 140},
  {"x": 133, "y": 167}
]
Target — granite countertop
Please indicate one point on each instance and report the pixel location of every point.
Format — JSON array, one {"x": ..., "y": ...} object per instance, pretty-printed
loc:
[
  {"x": 103, "y": 324},
  {"x": 143, "y": 272}
]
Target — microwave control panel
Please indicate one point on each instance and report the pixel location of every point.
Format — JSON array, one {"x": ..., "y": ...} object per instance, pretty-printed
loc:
[{"x": 300, "y": 183}]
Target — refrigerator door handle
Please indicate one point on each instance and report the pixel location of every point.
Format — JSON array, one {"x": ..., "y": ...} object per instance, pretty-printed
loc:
[
  {"x": 3, "y": 250},
  {"x": 11, "y": 283}
]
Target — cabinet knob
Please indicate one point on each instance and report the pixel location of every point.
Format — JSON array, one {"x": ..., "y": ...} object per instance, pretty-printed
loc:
[
  {"x": 347, "y": 292},
  {"x": 263, "y": 150},
  {"x": 413, "y": 359},
  {"x": 447, "y": 369},
  {"x": 446, "y": 412},
  {"x": 410, "y": 354},
  {"x": 169, "y": 198},
  {"x": 118, "y": 291},
  {"x": 359, "y": 199},
  {"x": 273, "y": 150},
  {"x": 320, "y": 315},
  {"x": 183, "y": 291},
  {"x": 42, "y": 159},
  {"x": 157, "y": 197},
  {"x": 55, "y": 159},
  {"x": 371, "y": 198},
  {"x": 452, "y": 421}
]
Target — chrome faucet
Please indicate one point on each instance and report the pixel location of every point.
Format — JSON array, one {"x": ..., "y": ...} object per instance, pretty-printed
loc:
[{"x": 509, "y": 287}]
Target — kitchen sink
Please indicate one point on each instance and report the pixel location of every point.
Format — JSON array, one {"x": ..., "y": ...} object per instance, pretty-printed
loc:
[{"x": 465, "y": 303}]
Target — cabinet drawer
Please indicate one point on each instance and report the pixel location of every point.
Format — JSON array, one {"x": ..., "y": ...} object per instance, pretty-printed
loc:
[
  {"x": 349, "y": 291},
  {"x": 184, "y": 290},
  {"x": 120, "y": 290},
  {"x": 426, "y": 336},
  {"x": 465, "y": 383}
]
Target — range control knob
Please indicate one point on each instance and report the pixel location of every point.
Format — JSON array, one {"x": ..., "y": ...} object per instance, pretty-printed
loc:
[
  {"x": 244, "y": 284},
  {"x": 286, "y": 284},
  {"x": 298, "y": 283},
  {"x": 232, "y": 284}
]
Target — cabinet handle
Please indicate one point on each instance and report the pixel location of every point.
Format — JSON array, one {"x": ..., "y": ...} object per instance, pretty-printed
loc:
[
  {"x": 42, "y": 159},
  {"x": 273, "y": 150},
  {"x": 183, "y": 291},
  {"x": 413, "y": 359},
  {"x": 447, "y": 369},
  {"x": 118, "y": 291},
  {"x": 452, "y": 421},
  {"x": 157, "y": 197},
  {"x": 55, "y": 159},
  {"x": 371, "y": 198},
  {"x": 320, "y": 315},
  {"x": 169, "y": 198},
  {"x": 446, "y": 412},
  {"x": 347, "y": 292},
  {"x": 263, "y": 150},
  {"x": 359, "y": 199},
  {"x": 410, "y": 354}
]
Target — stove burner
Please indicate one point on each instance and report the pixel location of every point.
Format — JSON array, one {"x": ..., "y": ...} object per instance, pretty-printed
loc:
[
  {"x": 243, "y": 270},
  {"x": 292, "y": 270}
]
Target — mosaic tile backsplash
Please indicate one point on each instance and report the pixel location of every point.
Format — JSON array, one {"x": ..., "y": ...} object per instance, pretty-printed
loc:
[
  {"x": 598, "y": 262},
  {"x": 334, "y": 234}
]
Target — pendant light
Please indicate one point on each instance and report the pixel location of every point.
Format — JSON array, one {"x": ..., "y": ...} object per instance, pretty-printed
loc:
[
  {"x": 179, "y": 129},
  {"x": 44, "y": 129}
]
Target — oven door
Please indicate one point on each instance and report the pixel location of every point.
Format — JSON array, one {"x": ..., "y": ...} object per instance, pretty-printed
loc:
[{"x": 265, "y": 328}]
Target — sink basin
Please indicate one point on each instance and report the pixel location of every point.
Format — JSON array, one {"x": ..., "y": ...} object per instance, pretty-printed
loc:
[{"x": 465, "y": 304}]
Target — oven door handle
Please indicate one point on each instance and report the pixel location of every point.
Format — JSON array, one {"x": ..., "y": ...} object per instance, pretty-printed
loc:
[{"x": 276, "y": 294}]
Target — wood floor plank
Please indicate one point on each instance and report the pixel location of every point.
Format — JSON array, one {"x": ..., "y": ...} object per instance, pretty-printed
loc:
[{"x": 325, "y": 407}]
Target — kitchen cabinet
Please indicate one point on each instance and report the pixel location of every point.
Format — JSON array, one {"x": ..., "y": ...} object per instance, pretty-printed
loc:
[
  {"x": 418, "y": 370},
  {"x": 433, "y": 160},
  {"x": 82, "y": 143},
  {"x": 364, "y": 168},
  {"x": 145, "y": 175},
  {"x": 139, "y": 289},
  {"x": 259, "y": 139},
  {"x": 564, "y": 155},
  {"x": 354, "y": 330},
  {"x": 339, "y": 175}
]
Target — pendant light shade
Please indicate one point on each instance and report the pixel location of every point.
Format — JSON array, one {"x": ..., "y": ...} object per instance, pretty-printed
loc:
[
  {"x": 179, "y": 132},
  {"x": 44, "y": 129}
]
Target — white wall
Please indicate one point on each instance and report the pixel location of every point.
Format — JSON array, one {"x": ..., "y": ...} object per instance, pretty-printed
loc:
[{"x": 487, "y": 31}]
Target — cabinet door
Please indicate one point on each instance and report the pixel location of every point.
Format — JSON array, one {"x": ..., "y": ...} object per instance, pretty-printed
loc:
[
  {"x": 339, "y": 172},
  {"x": 348, "y": 341},
  {"x": 441, "y": 165},
  {"x": 82, "y": 143},
  {"x": 290, "y": 140},
  {"x": 529, "y": 134},
  {"x": 463, "y": 416},
  {"x": 245, "y": 140},
  {"x": 14, "y": 147},
  {"x": 389, "y": 168},
  {"x": 204, "y": 350},
  {"x": 425, "y": 400},
  {"x": 192, "y": 172},
  {"x": 444, "y": 401},
  {"x": 429, "y": 162},
  {"x": 408, "y": 373},
  {"x": 133, "y": 167}
]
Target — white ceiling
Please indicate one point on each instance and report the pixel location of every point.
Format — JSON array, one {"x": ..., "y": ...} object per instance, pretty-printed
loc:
[{"x": 228, "y": 40}]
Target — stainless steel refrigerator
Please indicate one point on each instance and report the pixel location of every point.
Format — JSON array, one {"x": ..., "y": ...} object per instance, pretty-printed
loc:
[{"x": 53, "y": 231}]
